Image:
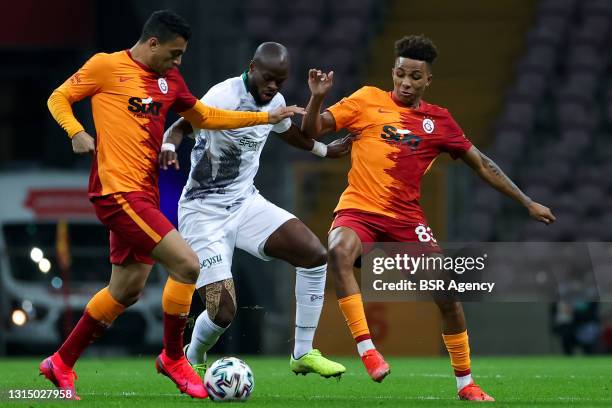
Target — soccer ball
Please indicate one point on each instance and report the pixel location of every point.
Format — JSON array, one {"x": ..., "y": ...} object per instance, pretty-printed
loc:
[{"x": 229, "y": 379}]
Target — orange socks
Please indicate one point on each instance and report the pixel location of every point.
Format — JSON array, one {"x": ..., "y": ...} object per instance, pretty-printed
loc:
[
  {"x": 176, "y": 299},
  {"x": 354, "y": 315},
  {"x": 459, "y": 350},
  {"x": 104, "y": 308},
  {"x": 99, "y": 313},
  {"x": 176, "y": 302}
]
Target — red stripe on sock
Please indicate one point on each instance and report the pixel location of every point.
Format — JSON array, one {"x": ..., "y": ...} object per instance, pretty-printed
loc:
[
  {"x": 462, "y": 373},
  {"x": 174, "y": 326},
  {"x": 86, "y": 331},
  {"x": 363, "y": 337}
]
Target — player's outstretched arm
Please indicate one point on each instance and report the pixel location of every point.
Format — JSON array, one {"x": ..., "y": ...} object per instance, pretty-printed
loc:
[
  {"x": 338, "y": 148},
  {"x": 490, "y": 172},
  {"x": 207, "y": 117},
  {"x": 315, "y": 123},
  {"x": 172, "y": 140}
]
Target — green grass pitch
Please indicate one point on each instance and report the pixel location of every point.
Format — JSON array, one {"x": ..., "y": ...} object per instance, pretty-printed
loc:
[{"x": 513, "y": 381}]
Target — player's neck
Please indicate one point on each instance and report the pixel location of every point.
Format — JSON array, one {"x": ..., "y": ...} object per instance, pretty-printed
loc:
[
  {"x": 139, "y": 54},
  {"x": 416, "y": 105}
]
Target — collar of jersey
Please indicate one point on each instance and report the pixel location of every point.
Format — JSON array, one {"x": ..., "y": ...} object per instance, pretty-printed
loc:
[{"x": 245, "y": 81}]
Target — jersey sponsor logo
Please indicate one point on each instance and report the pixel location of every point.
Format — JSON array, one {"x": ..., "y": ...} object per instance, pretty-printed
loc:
[
  {"x": 142, "y": 108},
  {"x": 248, "y": 145},
  {"x": 163, "y": 85},
  {"x": 209, "y": 262},
  {"x": 403, "y": 136},
  {"x": 428, "y": 125}
]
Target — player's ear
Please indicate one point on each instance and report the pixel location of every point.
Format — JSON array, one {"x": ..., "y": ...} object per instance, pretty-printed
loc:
[
  {"x": 153, "y": 43},
  {"x": 251, "y": 66}
]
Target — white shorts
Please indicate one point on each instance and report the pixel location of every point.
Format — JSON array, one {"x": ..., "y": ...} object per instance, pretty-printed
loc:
[{"x": 213, "y": 234}]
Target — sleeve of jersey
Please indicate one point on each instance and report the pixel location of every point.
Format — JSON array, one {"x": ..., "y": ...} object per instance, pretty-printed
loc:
[
  {"x": 456, "y": 143},
  {"x": 346, "y": 112},
  {"x": 285, "y": 124},
  {"x": 206, "y": 117},
  {"x": 85, "y": 82}
]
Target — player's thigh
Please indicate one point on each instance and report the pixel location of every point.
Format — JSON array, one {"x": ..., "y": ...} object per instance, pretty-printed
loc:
[
  {"x": 295, "y": 243},
  {"x": 344, "y": 247},
  {"x": 136, "y": 225},
  {"x": 127, "y": 281},
  {"x": 259, "y": 219},
  {"x": 212, "y": 237}
]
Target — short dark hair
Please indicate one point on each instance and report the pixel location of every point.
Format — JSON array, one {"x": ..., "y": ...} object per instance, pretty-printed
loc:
[
  {"x": 165, "y": 25},
  {"x": 417, "y": 47}
]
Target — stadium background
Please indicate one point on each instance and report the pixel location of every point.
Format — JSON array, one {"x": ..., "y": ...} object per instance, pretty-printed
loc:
[{"x": 529, "y": 81}]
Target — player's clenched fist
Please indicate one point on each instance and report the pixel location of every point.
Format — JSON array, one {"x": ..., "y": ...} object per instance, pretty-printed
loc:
[
  {"x": 319, "y": 82},
  {"x": 82, "y": 142},
  {"x": 276, "y": 115}
]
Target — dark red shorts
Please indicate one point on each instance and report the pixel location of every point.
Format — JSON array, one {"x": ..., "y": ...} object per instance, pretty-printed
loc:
[
  {"x": 135, "y": 222},
  {"x": 371, "y": 228}
]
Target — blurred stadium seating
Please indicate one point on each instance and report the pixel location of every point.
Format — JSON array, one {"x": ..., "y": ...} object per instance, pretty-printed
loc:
[{"x": 552, "y": 136}]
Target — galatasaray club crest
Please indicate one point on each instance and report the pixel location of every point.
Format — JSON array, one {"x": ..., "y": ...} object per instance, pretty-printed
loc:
[
  {"x": 163, "y": 86},
  {"x": 428, "y": 125}
]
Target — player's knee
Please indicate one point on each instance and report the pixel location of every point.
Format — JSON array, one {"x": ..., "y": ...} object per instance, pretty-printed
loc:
[
  {"x": 449, "y": 308},
  {"x": 188, "y": 268},
  {"x": 317, "y": 255},
  {"x": 339, "y": 258}
]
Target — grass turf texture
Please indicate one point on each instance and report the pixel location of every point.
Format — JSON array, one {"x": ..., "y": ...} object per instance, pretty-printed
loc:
[{"x": 513, "y": 381}]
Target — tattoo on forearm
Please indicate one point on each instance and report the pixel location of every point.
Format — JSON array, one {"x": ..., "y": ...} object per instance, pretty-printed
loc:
[{"x": 503, "y": 182}]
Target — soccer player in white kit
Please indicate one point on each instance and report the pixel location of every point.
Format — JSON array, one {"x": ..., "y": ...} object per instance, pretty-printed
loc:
[{"x": 220, "y": 209}]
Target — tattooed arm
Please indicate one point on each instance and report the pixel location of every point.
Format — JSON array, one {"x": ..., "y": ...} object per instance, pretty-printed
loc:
[{"x": 495, "y": 177}]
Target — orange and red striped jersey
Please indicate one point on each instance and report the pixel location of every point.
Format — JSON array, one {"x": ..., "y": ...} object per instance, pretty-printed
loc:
[
  {"x": 130, "y": 103},
  {"x": 396, "y": 146}
]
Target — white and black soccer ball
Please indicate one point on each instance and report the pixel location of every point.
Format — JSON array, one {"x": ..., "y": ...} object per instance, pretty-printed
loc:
[{"x": 229, "y": 379}]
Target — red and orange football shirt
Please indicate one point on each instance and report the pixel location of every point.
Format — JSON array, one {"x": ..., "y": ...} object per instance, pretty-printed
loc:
[
  {"x": 395, "y": 148},
  {"x": 130, "y": 103}
]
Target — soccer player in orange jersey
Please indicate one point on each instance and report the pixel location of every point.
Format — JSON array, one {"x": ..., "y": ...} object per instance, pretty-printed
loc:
[
  {"x": 131, "y": 92},
  {"x": 400, "y": 136}
]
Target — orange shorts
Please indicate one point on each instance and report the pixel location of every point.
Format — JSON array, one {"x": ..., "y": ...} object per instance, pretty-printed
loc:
[{"x": 135, "y": 222}]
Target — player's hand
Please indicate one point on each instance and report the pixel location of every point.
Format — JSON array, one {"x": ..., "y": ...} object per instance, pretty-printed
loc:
[
  {"x": 340, "y": 147},
  {"x": 541, "y": 213},
  {"x": 82, "y": 143},
  {"x": 319, "y": 82},
  {"x": 167, "y": 158},
  {"x": 279, "y": 114}
]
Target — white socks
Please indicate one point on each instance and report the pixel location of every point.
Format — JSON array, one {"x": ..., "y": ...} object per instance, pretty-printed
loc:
[
  {"x": 364, "y": 345},
  {"x": 463, "y": 381},
  {"x": 205, "y": 335},
  {"x": 309, "y": 291}
]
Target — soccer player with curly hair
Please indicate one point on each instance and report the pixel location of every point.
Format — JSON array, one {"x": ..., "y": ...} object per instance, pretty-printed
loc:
[{"x": 400, "y": 137}]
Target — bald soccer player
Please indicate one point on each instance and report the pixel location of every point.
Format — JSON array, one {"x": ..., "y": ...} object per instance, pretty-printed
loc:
[{"x": 221, "y": 209}]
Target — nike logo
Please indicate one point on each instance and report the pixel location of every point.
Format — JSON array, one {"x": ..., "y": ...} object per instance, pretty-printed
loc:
[
  {"x": 123, "y": 79},
  {"x": 380, "y": 110},
  {"x": 146, "y": 101}
]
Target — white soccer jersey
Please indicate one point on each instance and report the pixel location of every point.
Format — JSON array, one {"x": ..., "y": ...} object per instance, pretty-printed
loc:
[{"x": 224, "y": 162}]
